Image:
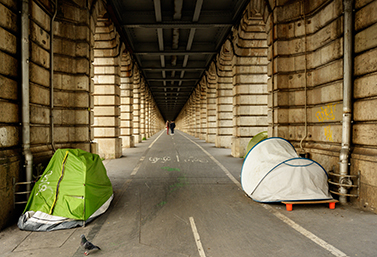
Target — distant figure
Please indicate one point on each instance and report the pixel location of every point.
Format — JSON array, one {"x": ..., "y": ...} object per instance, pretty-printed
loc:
[
  {"x": 167, "y": 127},
  {"x": 172, "y": 126}
]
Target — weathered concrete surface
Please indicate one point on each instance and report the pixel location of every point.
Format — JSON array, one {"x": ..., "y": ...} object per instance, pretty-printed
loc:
[{"x": 168, "y": 181}]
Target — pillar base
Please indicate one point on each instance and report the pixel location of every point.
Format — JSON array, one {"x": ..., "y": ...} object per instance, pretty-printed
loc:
[
  {"x": 137, "y": 139},
  {"x": 239, "y": 146},
  {"x": 128, "y": 142},
  {"x": 223, "y": 141},
  {"x": 109, "y": 148}
]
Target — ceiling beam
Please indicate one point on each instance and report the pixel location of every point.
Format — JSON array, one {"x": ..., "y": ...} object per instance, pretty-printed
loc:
[
  {"x": 177, "y": 53},
  {"x": 171, "y": 87},
  {"x": 171, "y": 79},
  {"x": 173, "y": 69},
  {"x": 180, "y": 25}
]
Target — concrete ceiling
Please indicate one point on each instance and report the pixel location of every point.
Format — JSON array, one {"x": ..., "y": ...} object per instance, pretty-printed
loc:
[{"x": 174, "y": 41}]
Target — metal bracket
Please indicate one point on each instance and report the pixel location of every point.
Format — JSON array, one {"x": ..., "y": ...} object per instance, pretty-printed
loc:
[
  {"x": 347, "y": 182},
  {"x": 15, "y": 193}
]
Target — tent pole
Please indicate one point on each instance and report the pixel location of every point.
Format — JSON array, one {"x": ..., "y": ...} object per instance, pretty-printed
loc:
[{"x": 347, "y": 100}]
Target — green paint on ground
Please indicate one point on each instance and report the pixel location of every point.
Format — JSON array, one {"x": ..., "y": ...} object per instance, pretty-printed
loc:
[
  {"x": 170, "y": 169},
  {"x": 181, "y": 182},
  {"x": 161, "y": 203}
]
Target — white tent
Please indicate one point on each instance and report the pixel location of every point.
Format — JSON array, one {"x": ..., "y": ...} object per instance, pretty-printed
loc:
[{"x": 273, "y": 172}]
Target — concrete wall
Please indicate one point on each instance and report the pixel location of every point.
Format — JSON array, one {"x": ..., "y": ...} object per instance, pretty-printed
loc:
[
  {"x": 86, "y": 89},
  {"x": 364, "y": 131},
  {"x": 10, "y": 130},
  {"x": 287, "y": 72}
]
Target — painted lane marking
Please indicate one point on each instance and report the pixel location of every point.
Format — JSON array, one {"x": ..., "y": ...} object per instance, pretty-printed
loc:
[
  {"x": 197, "y": 238},
  {"x": 150, "y": 146},
  {"x": 303, "y": 231},
  {"x": 159, "y": 159},
  {"x": 136, "y": 169},
  {"x": 230, "y": 176},
  {"x": 335, "y": 251}
]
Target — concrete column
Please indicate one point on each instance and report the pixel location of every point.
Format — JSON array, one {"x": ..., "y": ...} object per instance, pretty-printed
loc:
[
  {"x": 107, "y": 50},
  {"x": 197, "y": 112},
  {"x": 250, "y": 83},
  {"x": 136, "y": 105},
  {"x": 72, "y": 85},
  {"x": 190, "y": 115},
  {"x": 211, "y": 104},
  {"x": 224, "y": 101},
  {"x": 193, "y": 114},
  {"x": 126, "y": 101},
  {"x": 142, "y": 108},
  {"x": 148, "y": 114},
  {"x": 146, "y": 110},
  {"x": 203, "y": 109},
  {"x": 151, "y": 116}
]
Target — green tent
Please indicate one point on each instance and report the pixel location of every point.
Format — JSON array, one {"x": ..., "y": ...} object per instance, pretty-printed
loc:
[
  {"x": 255, "y": 140},
  {"x": 74, "y": 188}
]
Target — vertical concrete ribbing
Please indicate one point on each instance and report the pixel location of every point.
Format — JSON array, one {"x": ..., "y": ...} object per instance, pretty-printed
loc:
[
  {"x": 250, "y": 82},
  {"x": 203, "y": 109},
  {"x": 197, "y": 111},
  {"x": 142, "y": 109},
  {"x": 224, "y": 101},
  {"x": 192, "y": 115},
  {"x": 107, "y": 51},
  {"x": 211, "y": 104},
  {"x": 126, "y": 101},
  {"x": 146, "y": 114},
  {"x": 136, "y": 105}
]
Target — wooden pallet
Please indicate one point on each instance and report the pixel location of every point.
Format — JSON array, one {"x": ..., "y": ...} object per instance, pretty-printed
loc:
[{"x": 331, "y": 203}]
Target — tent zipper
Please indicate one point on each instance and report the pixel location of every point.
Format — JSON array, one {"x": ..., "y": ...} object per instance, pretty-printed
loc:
[{"x": 58, "y": 185}]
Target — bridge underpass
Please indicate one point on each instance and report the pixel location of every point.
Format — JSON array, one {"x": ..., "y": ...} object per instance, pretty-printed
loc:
[
  {"x": 72, "y": 79},
  {"x": 176, "y": 195}
]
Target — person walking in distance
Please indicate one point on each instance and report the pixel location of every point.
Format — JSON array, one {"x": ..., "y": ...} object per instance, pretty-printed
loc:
[
  {"x": 172, "y": 126},
  {"x": 167, "y": 127}
]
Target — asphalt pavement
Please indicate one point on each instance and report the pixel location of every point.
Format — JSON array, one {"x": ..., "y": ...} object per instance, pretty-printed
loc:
[{"x": 176, "y": 195}]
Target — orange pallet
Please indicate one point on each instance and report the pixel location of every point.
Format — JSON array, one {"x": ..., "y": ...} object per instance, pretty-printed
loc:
[{"x": 331, "y": 203}]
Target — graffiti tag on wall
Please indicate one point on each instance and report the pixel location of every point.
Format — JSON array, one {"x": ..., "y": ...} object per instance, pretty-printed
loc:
[{"x": 326, "y": 113}]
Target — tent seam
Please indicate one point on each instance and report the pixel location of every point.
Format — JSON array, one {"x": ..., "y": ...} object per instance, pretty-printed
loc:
[{"x": 59, "y": 181}]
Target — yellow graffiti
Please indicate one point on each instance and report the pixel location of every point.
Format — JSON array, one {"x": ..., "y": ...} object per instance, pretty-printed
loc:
[
  {"x": 328, "y": 133},
  {"x": 326, "y": 113}
]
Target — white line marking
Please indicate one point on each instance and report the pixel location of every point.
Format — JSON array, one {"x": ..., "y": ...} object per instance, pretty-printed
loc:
[
  {"x": 150, "y": 146},
  {"x": 303, "y": 231},
  {"x": 197, "y": 238},
  {"x": 282, "y": 217},
  {"x": 136, "y": 169},
  {"x": 235, "y": 181}
]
